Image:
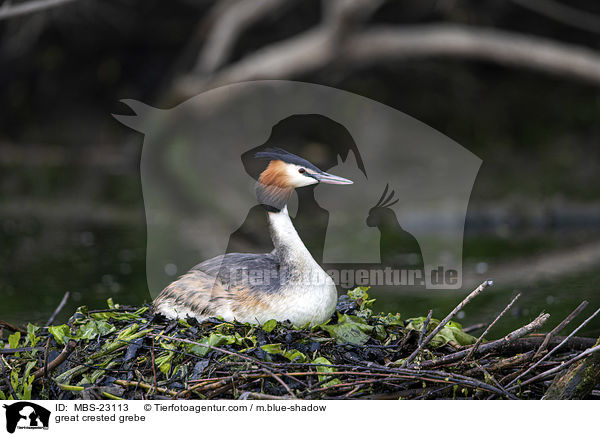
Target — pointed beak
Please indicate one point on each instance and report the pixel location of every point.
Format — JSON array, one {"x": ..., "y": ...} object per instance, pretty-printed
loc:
[{"x": 331, "y": 179}]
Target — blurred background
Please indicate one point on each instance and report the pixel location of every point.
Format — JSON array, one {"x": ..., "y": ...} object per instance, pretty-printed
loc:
[{"x": 517, "y": 82}]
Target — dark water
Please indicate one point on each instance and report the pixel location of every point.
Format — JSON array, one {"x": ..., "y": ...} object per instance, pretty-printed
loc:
[
  {"x": 43, "y": 259},
  {"x": 67, "y": 229},
  {"x": 556, "y": 297}
]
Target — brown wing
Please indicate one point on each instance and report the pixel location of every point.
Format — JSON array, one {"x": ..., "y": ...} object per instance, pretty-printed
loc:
[
  {"x": 196, "y": 294},
  {"x": 200, "y": 295},
  {"x": 233, "y": 270}
]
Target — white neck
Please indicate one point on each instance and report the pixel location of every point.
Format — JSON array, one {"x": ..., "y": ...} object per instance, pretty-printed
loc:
[
  {"x": 289, "y": 247},
  {"x": 310, "y": 294}
]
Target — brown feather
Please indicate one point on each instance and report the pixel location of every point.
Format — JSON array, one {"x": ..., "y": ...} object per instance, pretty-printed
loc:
[
  {"x": 275, "y": 175},
  {"x": 274, "y": 188},
  {"x": 202, "y": 295}
]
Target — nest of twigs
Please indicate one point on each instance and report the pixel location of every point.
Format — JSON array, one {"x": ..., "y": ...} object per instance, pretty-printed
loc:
[{"x": 131, "y": 353}]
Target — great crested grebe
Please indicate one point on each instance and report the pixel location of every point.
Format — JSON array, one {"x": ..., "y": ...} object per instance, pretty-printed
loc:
[{"x": 285, "y": 284}]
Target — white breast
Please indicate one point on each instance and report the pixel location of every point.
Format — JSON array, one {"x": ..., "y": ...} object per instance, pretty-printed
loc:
[{"x": 310, "y": 294}]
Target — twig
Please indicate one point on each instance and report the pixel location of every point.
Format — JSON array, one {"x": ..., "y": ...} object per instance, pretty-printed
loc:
[
  {"x": 474, "y": 327},
  {"x": 18, "y": 350},
  {"x": 259, "y": 396},
  {"x": 146, "y": 386},
  {"x": 281, "y": 382},
  {"x": 531, "y": 368},
  {"x": 480, "y": 339},
  {"x": 491, "y": 346},
  {"x": 444, "y": 377},
  {"x": 58, "y": 308},
  {"x": 228, "y": 23},
  {"x": 505, "y": 363},
  {"x": 425, "y": 325},
  {"x": 536, "y": 323},
  {"x": 559, "y": 327},
  {"x": 492, "y": 378},
  {"x": 46, "y": 352},
  {"x": 153, "y": 362},
  {"x": 561, "y": 366},
  {"x": 312, "y": 50},
  {"x": 111, "y": 396},
  {"x": 204, "y": 384},
  {"x": 12, "y": 327},
  {"x": 212, "y": 347},
  {"x": 258, "y": 362},
  {"x": 445, "y": 321},
  {"x": 115, "y": 309},
  {"x": 195, "y": 387},
  {"x": 28, "y": 7},
  {"x": 428, "y": 392},
  {"x": 56, "y": 362},
  {"x": 10, "y": 388}
]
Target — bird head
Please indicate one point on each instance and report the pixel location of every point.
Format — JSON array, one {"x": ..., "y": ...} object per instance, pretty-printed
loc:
[{"x": 286, "y": 172}]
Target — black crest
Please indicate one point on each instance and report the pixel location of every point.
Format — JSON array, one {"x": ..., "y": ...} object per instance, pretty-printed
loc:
[{"x": 275, "y": 153}]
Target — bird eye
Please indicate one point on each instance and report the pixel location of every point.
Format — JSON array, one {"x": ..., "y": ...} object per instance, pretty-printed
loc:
[{"x": 301, "y": 170}]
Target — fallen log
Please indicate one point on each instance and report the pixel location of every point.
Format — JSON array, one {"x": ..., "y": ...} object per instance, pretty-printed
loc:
[{"x": 577, "y": 381}]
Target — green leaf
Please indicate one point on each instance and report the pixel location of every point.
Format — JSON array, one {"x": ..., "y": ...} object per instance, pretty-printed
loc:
[
  {"x": 269, "y": 326},
  {"x": 359, "y": 292},
  {"x": 453, "y": 332},
  {"x": 272, "y": 348},
  {"x": 292, "y": 355},
  {"x": 28, "y": 369},
  {"x": 163, "y": 361},
  {"x": 183, "y": 323},
  {"x": 60, "y": 332},
  {"x": 71, "y": 388},
  {"x": 27, "y": 387},
  {"x": 391, "y": 319},
  {"x": 90, "y": 330},
  {"x": 380, "y": 333},
  {"x": 13, "y": 340},
  {"x": 82, "y": 311},
  {"x": 110, "y": 303},
  {"x": 14, "y": 380},
  {"x": 450, "y": 332},
  {"x": 93, "y": 329},
  {"x": 118, "y": 316},
  {"x": 361, "y": 297},
  {"x": 350, "y": 329},
  {"x": 214, "y": 340},
  {"x": 32, "y": 339},
  {"x": 322, "y": 377}
]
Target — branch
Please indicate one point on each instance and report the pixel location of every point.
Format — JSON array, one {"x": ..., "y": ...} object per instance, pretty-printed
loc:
[
  {"x": 502, "y": 47},
  {"x": 559, "y": 327},
  {"x": 12, "y": 327},
  {"x": 69, "y": 347},
  {"x": 315, "y": 49},
  {"x": 424, "y": 329},
  {"x": 231, "y": 20},
  {"x": 445, "y": 321},
  {"x": 492, "y": 324},
  {"x": 60, "y": 307},
  {"x": 583, "y": 384},
  {"x": 552, "y": 351},
  {"x": 493, "y": 346},
  {"x": 29, "y": 7}
]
